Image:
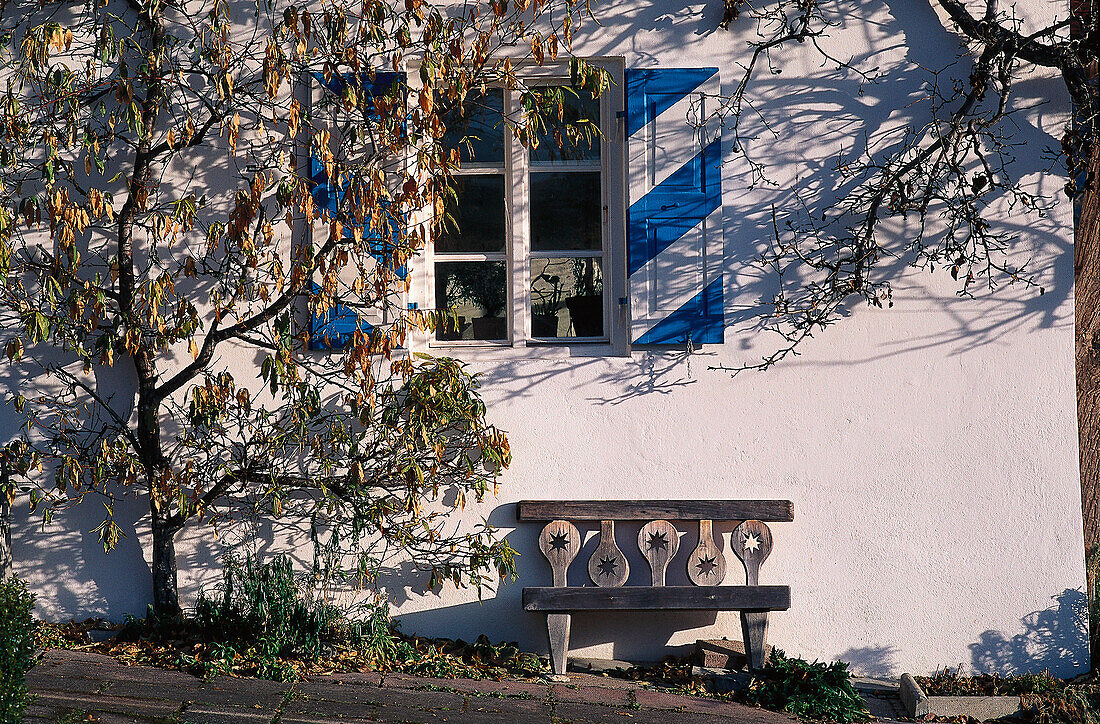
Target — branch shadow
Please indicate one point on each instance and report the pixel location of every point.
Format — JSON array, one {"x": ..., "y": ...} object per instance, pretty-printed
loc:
[
  {"x": 1054, "y": 639},
  {"x": 875, "y": 661}
]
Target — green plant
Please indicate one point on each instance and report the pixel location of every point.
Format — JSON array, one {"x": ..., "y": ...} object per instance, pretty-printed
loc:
[
  {"x": 812, "y": 690},
  {"x": 262, "y": 605},
  {"x": 16, "y": 647},
  {"x": 265, "y": 621},
  {"x": 74, "y": 717}
]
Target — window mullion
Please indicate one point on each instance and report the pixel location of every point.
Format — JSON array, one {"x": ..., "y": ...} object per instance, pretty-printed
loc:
[{"x": 520, "y": 241}]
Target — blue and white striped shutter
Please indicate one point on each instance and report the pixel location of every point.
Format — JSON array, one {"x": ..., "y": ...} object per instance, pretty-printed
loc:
[
  {"x": 334, "y": 327},
  {"x": 674, "y": 222}
]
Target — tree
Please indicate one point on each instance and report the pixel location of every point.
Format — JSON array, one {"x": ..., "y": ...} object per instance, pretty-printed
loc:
[
  {"x": 948, "y": 176},
  {"x": 121, "y": 125}
]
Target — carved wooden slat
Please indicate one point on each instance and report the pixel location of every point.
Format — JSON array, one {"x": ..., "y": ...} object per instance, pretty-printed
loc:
[
  {"x": 641, "y": 598},
  {"x": 658, "y": 542},
  {"x": 752, "y": 542},
  {"x": 772, "y": 510},
  {"x": 560, "y": 541},
  {"x": 607, "y": 566},
  {"x": 706, "y": 566}
]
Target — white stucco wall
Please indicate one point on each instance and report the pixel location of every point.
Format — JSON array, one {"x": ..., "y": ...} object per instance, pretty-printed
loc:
[{"x": 930, "y": 449}]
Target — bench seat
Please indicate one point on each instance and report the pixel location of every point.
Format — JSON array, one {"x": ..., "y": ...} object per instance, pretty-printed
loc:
[{"x": 663, "y": 598}]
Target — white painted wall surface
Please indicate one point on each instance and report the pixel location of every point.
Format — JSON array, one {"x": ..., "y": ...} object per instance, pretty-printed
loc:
[{"x": 930, "y": 449}]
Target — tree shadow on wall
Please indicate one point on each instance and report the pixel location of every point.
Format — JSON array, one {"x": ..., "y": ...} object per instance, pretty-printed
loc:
[
  {"x": 875, "y": 661},
  {"x": 1055, "y": 640}
]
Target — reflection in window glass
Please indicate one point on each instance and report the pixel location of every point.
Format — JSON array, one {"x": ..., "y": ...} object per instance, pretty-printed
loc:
[
  {"x": 565, "y": 211},
  {"x": 558, "y": 147},
  {"x": 477, "y": 294},
  {"x": 566, "y": 297},
  {"x": 478, "y": 133},
  {"x": 478, "y": 215}
]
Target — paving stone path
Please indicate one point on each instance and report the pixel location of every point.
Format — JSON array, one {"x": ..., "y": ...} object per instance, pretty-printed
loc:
[{"x": 68, "y": 686}]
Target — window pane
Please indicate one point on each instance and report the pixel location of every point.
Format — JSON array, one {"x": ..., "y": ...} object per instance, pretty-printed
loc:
[
  {"x": 478, "y": 214},
  {"x": 478, "y": 134},
  {"x": 565, "y": 211},
  {"x": 566, "y": 297},
  {"x": 556, "y": 144},
  {"x": 477, "y": 293}
]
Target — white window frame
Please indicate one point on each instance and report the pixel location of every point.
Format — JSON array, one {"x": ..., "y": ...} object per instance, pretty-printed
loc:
[{"x": 517, "y": 253}]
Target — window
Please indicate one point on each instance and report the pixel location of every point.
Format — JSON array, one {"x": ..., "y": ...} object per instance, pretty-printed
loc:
[{"x": 528, "y": 259}]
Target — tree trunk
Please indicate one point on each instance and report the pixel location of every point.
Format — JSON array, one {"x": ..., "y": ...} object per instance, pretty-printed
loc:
[
  {"x": 1086, "y": 276},
  {"x": 142, "y": 183},
  {"x": 1086, "y": 280},
  {"x": 6, "y": 568},
  {"x": 166, "y": 600},
  {"x": 5, "y": 539}
]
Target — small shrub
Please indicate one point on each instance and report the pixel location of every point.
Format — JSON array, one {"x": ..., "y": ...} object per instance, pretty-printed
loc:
[
  {"x": 811, "y": 690},
  {"x": 263, "y": 605},
  {"x": 264, "y": 621},
  {"x": 16, "y": 647}
]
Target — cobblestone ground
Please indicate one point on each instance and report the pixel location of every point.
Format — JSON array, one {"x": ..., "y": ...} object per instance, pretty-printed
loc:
[{"x": 71, "y": 687}]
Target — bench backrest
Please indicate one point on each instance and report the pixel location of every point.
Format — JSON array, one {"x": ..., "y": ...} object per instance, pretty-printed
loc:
[{"x": 658, "y": 540}]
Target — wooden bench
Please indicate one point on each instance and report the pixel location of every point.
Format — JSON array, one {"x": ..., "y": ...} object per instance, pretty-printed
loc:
[{"x": 658, "y": 540}]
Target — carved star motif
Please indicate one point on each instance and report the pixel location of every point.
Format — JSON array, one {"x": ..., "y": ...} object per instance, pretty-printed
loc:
[
  {"x": 751, "y": 542},
  {"x": 707, "y": 565},
  {"x": 559, "y": 541},
  {"x": 657, "y": 542},
  {"x": 607, "y": 566}
]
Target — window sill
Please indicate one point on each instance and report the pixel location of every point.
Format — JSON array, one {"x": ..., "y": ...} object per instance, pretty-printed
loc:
[{"x": 502, "y": 353}]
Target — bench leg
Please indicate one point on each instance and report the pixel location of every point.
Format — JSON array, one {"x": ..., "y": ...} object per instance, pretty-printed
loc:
[
  {"x": 754, "y": 632},
  {"x": 557, "y": 626}
]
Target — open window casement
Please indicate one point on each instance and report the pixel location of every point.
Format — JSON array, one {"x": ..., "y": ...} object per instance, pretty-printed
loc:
[
  {"x": 674, "y": 220},
  {"x": 334, "y": 326}
]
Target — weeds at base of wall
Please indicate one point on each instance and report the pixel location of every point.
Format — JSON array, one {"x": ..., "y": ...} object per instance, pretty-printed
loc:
[
  {"x": 16, "y": 647},
  {"x": 1073, "y": 704},
  {"x": 170, "y": 646},
  {"x": 1044, "y": 699},
  {"x": 263, "y": 621},
  {"x": 948, "y": 682}
]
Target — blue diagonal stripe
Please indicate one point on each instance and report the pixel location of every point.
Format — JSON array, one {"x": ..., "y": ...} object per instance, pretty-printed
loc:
[
  {"x": 702, "y": 319},
  {"x": 668, "y": 211},
  {"x": 651, "y": 92}
]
